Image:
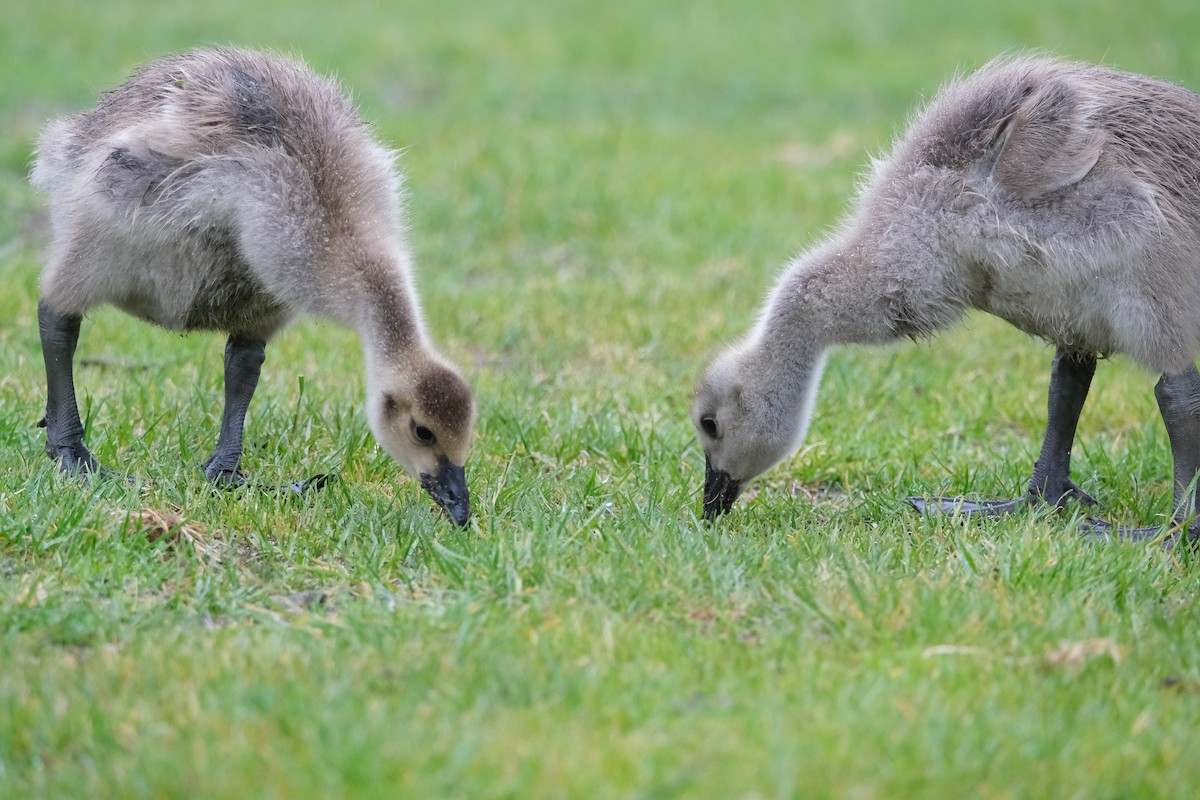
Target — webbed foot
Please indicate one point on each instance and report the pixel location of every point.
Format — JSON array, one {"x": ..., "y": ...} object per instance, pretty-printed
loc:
[
  {"x": 1167, "y": 536},
  {"x": 967, "y": 508},
  {"x": 225, "y": 478},
  {"x": 996, "y": 508},
  {"x": 77, "y": 461},
  {"x": 312, "y": 484},
  {"x": 221, "y": 474}
]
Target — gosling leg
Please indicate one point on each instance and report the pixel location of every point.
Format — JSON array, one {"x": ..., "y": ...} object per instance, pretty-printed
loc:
[
  {"x": 1070, "y": 380},
  {"x": 1178, "y": 396},
  {"x": 243, "y": 364},
  {"x": 64, "y": 429}
]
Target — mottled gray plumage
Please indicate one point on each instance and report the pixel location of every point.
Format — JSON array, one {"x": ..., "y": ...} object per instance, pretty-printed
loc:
[
  {"x": 1064, "y": 198},
  {"x": 230, "y": 190}
]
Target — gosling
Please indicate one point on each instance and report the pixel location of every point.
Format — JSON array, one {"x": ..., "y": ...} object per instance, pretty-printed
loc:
[
  {"x": 1061, "y": 197},
  {"x": 230, "y": 190}
]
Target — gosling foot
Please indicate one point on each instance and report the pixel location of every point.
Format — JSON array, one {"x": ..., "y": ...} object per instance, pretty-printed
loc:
[
  {"x": 967, "y": 508},
  {"x": 77, "y": 461},
  {"x": 998, "y": 508},
  {"x": 1168, "y": 537},
  {"x": 223, "y": 477}
]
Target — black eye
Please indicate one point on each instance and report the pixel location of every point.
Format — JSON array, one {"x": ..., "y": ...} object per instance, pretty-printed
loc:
[
  {"x": 709, "y": 426},
  {"x": 423, "y": 434}
]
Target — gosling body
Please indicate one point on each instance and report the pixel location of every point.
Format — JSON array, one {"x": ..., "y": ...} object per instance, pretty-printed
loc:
[
  {"x": 231, "y": 190},
  {"x": 1061, "y": 197}
]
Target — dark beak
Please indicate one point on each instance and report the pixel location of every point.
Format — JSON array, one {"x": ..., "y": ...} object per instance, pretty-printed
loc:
[
  {"x": 720, "y": 490},
  {"x": 449, "y": 490}
]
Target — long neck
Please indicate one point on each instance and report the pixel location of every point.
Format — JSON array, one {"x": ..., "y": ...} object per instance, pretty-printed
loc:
[
  {"x": 820, "y": 301},
  {"x": 387, "y": 315},
  {"x": 393, "y": 318},
  {"x": 860, "y": 290}
]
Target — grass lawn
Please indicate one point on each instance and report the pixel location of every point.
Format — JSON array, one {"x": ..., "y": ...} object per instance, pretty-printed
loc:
[{"x": 600, "y": 195}]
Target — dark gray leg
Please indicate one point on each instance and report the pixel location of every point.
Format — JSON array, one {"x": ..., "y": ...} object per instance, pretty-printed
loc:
[
  {"x": 64, "y": 428},
  {"x": 243, "y": 363},
  {"x": 1070, "y": 380},
  {"x": 1178, "y": 398}
]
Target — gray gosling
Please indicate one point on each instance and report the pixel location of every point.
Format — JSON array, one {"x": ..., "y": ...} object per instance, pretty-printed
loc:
[
  {"x": 230, "y": 190},
  {"x": 1063, "y": 198}
]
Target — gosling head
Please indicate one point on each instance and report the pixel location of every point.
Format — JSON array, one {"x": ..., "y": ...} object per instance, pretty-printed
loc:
[
  {"x": 750, "y": 413},
  {"x": 423, "y": 416}
]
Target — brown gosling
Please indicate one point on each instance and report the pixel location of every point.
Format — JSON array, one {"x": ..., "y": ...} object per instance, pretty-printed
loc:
[{"x": 231, "y": 190}]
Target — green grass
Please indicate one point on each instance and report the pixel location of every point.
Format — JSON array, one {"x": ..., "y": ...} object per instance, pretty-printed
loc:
[{"x": 600, "y": 194}]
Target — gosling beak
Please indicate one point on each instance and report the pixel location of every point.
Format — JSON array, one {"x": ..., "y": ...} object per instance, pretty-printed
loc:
[
  {"x": 449, "y": 490},
  {"x": 720, "y": 490}
]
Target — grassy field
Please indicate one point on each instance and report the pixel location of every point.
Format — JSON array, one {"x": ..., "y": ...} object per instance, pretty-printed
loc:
[{"x": 600, "y": 194}]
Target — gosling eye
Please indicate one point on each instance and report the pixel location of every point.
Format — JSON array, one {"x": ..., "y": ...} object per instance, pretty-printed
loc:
[
  {"x": 423, "y": 434},
  {"x": 708, "y": 424}
]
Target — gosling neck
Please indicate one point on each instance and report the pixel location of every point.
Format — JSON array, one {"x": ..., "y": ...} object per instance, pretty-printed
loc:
[
  {"x": 389, "y": 320},
  {"x": 852, "y": 291}
]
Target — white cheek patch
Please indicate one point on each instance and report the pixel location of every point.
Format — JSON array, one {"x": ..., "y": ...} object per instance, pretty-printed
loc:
[{"x": 808, "y": 402}]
